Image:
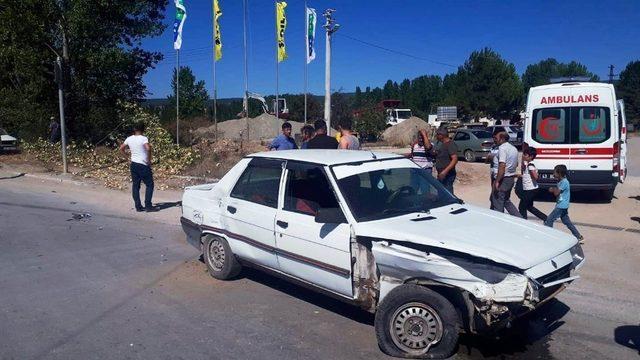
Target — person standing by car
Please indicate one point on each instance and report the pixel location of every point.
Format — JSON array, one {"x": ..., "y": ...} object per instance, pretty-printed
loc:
[
  {"x": 307, "y": 134},
  {"x": 563, "y": 194},
  {"x": 422, "y": 151},
  {"x": 284, "y": 141},
  {"x": 446, "y": 159},
  {"x": 505, "y": 178},
  {"x": 321, "y": 140},
  {"x": 140, "y": 167},
  {"x": 529, "y": 182},
  {"x": 492, "y": 159},
  {"x": 347, "y": 140}
]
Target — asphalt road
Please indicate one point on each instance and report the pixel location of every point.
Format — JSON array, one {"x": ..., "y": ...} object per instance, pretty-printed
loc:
[{"x": 122, "y": 285}]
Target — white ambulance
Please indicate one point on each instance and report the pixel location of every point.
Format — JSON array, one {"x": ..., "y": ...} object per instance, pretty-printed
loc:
[{"x": 580, "y": 125}]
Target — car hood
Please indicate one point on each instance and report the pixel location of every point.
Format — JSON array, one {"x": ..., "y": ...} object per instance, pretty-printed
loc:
[
  {"x": 7, "y": 138},
  {"x": 477, "y": 232}
]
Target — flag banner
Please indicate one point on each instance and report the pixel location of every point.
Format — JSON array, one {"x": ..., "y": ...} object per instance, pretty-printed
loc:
[
  {"x": 281, "y": 26},
  {"x": 216, "y": 30},
  {"x": 311, "y": 34},
  {"x": 181, "y": 16}
]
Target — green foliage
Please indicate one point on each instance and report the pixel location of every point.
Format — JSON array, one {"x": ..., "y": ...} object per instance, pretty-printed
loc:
[
  {"x": 193, "y": 95},
  {"x": 341, "y": 109},
  {"x": 370, "y": 121},
  {"x": 541, "y": 72},
  {"x": 629, "y": 90},
  {"x": 105, "y": 63}
]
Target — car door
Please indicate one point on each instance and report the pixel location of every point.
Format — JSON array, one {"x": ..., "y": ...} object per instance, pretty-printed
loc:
[
  {"x": 622, "y": 131},
  {"x": 463, "y": 142},
  {"x": 250, "y": 210},
  {"x": 314, "y": 252}
]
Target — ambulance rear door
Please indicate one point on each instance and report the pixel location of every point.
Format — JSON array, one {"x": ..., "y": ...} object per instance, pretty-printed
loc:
[{"x": 622, "y": 133}]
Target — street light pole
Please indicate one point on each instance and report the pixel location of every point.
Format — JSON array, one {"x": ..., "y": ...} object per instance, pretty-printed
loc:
[
  {"x": 331, "y": 27},
  {"x": 63, "y": 132}
]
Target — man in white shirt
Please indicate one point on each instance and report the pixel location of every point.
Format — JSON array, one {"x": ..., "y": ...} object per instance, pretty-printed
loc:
[
  {"x": 505, "y": 179},
  {"x": 140, "y": 150}
]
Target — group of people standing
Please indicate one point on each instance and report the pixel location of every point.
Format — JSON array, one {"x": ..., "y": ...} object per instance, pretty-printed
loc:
[
  {"x": 505, "y": 177},
  {"x": 315, "y": 137},
  {"x": 443, "y": 156}
]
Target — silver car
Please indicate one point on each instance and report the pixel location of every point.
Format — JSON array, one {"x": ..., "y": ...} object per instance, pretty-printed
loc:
[{"x": 473, "y": 144}]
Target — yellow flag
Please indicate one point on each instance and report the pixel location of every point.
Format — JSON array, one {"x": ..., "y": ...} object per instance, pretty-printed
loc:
[
  {"x": 216, "y": 30},
  {"x": 281, "y": 26}
]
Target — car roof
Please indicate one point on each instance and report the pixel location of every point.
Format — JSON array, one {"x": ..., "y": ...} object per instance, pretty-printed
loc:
[
  {"x": 326, "y": 157},
  {"x": 573, "y": 84}
]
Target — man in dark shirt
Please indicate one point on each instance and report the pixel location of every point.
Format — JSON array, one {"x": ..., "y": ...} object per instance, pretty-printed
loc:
[
  {"x": 446, "y": 159},
  {"x": 321, "y": 140}
]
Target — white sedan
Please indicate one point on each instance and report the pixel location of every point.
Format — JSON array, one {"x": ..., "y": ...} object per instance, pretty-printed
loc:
[
  {"x": 375, "y": 230},
  {"x": 7, "y": 142}
]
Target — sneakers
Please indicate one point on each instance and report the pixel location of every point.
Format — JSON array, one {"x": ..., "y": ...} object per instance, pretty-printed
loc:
[
  {"x": 581, "y": 239},
  {"x": 139, "y": 209},
  {"x": 150, "y": 209}
]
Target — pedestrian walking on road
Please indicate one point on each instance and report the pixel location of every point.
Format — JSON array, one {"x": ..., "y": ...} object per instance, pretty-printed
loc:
[
  {"x": 347, "y": 139},
  {"x": 446, "y": 158},
  {"x": 422, "y": 151},
  {"x": 140, "y": 167},
  {"x": 284, "y": 141},
  {"x": 562, "y": 191},
  {"x": 527, "y": 185},
  {"x": 307, "y": 134},
  {"x": 321, "y": 140},
  {"x": 505, "y": 178}
]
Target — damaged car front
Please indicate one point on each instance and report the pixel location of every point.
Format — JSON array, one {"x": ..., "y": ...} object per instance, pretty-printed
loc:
[{"x": 442, "y": 266}]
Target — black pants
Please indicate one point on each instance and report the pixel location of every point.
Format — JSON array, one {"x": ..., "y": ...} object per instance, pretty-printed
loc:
[
  {"x": 141, "y": 173},
  {"x": 526, "y": 204}
]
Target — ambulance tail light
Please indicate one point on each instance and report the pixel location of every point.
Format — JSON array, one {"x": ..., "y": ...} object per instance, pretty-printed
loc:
[{"x": 616, "y": 158}]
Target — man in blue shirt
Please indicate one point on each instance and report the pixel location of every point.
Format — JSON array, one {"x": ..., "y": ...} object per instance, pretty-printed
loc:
[
  {"x": 284, "y": 141},
  {"x": 563, "y": 193}
]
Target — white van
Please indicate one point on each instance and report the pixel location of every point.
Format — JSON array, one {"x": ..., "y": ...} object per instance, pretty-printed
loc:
[{"x": 580, "y": 125}]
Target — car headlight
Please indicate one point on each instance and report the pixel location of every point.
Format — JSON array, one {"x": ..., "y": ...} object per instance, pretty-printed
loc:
[{"x": 578, "y": 256}]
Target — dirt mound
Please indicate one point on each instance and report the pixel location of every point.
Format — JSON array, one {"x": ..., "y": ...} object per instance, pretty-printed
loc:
[
  {"x": 261, "y": 127},
  {"x": 404, "y": 133}
]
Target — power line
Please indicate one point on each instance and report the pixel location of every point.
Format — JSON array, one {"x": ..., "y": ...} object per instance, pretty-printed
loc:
[{"x": 396, "y": 51}]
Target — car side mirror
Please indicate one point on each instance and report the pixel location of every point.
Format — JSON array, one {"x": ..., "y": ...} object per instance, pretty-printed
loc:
[{"x": 330, "y": 216}]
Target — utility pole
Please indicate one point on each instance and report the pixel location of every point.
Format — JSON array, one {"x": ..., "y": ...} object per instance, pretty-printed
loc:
[
  {"x": 611, "y": 74},
  {"x": 59, "y": 65},
  {"x": 245, "y": 99},
  {"x": 330, "y": 26}
]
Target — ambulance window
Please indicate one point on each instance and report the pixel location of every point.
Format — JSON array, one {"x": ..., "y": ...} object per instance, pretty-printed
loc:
[
  {"x": 591, "y": 125},
  {"x": 550, "y": 126}
]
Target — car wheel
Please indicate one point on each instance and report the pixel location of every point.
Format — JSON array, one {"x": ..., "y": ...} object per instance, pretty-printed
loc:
[
  {"x": 607, "y": 195},
  {"x": 469, "y": 156},
  {"x": 221, "y": 262},
  {"x": 415, "y": 322}
]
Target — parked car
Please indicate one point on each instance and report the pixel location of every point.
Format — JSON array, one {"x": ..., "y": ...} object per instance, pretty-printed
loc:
[
  {"x": 515, "y": 133},
  {"x": 374, "y": 230},
  {"x": 473, "y": 144},
  {"x": 7, "y": 142}
]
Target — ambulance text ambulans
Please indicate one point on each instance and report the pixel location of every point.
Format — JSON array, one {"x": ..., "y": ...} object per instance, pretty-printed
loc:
[{"x": 580, "y": 125}]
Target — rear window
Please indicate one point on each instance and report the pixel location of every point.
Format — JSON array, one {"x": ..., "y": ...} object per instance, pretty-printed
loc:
[
  {"x": 571, "y": 125},
  {"x": 482, "y": 134}
]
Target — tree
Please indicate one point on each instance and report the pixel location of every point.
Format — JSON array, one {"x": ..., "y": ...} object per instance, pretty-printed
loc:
[
  {"x": 193, "y": 94},
  {"x": 341, "y": 109},
  {"x": 104, "y": 68},
  {"x": 542, "y": 72},
  {"x": 487, "y": 85},
  {"x": 629, "y": 89},
  {"x": 370, "y": 121}
]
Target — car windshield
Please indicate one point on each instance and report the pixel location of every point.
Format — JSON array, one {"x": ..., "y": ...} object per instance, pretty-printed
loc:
[
  {"x": 381, "y": 194},
  {"x": 482, "y": 134},
  {"x": 404, "y": 114},
  {"x": 3, "y": 132}
]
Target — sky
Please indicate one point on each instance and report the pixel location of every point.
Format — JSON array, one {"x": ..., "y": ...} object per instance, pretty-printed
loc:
[{"x": 437, "y": 36}]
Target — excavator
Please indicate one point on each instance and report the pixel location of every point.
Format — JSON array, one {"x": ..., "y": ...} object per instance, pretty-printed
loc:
[{"x": 283, "y": 110}]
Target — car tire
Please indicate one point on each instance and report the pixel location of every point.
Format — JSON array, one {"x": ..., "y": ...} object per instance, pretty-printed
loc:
[
  {"x": 222, "y": 264},
  {"x": 607, "y": 194},
  {"x": 415, "y": 322},
  {"x": 469, "y": 156}
]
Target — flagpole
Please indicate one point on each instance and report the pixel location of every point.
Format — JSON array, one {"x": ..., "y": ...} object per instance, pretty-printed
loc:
[
  {"x": 306, "y": 55},
  {"x": 178, "y": 97},
  {"x": 276, "y": 107},
  {"x": 245, "y": 100},
  {"x": 215, "y": 95}
]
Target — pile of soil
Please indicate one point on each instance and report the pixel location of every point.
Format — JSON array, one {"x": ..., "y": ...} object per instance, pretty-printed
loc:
[
  {"x": 261, "y": 127},
  {"x": 406, "y": 132}
]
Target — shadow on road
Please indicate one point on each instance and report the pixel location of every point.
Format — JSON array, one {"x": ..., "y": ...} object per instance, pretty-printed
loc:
[
  {"x": 313, "y": 297},
  {"x": 637, "y": 197},
  {"x": 635, "y": 218},
  {"x": 166, "y": 205},
  {"x": 628, "y": 336},
  {"x": 528, "y": 336}
]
